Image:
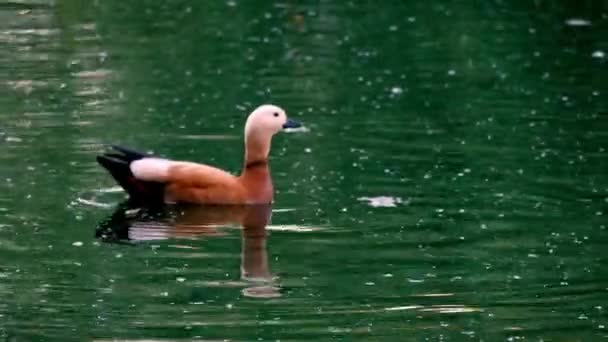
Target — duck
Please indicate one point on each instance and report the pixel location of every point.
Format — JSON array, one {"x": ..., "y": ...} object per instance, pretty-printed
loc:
[{"x": 150, "y": 180}]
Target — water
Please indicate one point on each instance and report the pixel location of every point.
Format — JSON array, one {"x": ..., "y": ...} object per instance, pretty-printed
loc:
[{"x": 452, "y": 184}]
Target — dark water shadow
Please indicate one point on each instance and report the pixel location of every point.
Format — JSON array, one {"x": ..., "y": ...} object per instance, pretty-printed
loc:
[{"x": 132, "y": 225}]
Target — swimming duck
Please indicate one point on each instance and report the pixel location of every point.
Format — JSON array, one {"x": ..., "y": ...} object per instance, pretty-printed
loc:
[{"x": 150, "y": 180}]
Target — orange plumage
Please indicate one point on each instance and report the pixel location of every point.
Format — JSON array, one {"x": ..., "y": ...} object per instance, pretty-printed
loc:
[{"x": 152, "y": 180}]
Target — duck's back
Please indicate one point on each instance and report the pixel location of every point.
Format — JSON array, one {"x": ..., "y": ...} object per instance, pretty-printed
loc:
[{"x": 204, "y": 184}]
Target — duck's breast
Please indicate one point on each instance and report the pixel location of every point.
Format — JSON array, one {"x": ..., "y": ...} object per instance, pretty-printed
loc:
[{"x": 258, "y": 186}]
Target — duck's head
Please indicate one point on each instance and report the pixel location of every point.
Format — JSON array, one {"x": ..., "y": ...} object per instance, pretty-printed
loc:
[{"x": 267, "y": 120}]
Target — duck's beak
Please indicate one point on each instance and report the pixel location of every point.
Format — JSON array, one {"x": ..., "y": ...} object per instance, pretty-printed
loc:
[{"x": 292, "y": 124}]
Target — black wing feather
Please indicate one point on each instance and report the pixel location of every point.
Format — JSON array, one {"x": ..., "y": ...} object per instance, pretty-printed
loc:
[{"x": 118, "y": 164}]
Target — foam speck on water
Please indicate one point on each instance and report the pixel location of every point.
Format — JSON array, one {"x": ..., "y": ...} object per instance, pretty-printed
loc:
[
  {"x": 382, "y": 201},
  {"x": 578, "y": 22}
]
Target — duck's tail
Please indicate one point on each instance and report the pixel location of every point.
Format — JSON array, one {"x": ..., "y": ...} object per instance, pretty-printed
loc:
[{"x": 118, "y": 163}]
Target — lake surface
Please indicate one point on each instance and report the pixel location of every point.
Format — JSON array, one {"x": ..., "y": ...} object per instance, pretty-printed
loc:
[{"x": 451, "y": 183}]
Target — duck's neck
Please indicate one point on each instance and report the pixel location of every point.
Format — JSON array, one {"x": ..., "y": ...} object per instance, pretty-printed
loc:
[
  {"x": 257, "y": 148},
  {"x": 256, "y": 173}
]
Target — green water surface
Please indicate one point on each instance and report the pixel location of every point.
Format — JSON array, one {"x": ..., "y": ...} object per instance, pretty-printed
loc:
[{"x": 451, "y": 185}]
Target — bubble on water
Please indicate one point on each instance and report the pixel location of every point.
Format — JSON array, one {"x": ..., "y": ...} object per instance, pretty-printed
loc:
[
  {"x": 578, "y": 22},
  {"x": 77, "y": 243},
  {"x": 397, "y": 90},
  {"x": 382, "y": 201},
  {"x": 598, "y": 54}
]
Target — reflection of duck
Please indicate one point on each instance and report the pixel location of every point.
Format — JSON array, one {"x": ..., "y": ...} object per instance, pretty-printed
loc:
[
  {"x": 129, "y": 223},
  {"x": 149, "y": 179}
]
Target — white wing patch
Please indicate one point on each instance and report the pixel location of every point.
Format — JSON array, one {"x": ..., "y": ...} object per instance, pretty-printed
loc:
[{"x": 151, "y": 169}]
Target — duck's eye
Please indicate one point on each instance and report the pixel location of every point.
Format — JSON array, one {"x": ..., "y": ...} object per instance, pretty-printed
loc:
[{"x": 276, "y": 115}]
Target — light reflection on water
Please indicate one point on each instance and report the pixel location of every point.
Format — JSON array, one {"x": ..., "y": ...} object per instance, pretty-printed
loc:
[
  {"x": 451, "y": 183},
  {"x": 134, "y": 224}
]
